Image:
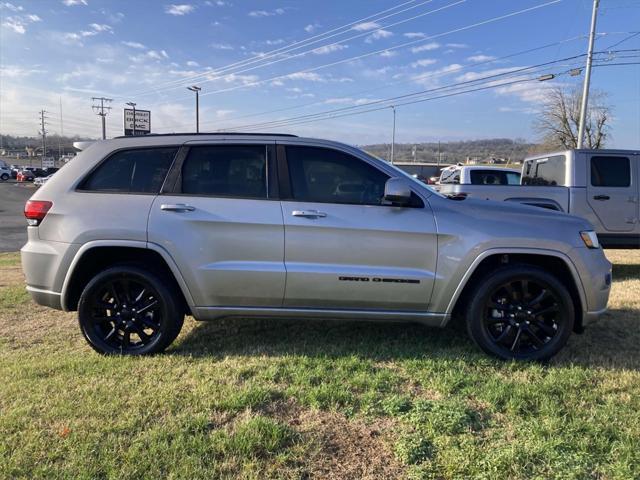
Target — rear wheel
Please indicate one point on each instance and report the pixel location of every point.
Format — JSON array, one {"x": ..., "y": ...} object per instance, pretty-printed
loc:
[
  {"x": 4, "y": 177},
  {"x": 130, "y": 311},
  {"x": 520, "y": 312}
]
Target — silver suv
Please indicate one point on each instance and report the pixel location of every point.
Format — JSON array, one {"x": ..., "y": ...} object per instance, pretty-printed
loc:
[{"x": 136, "y": 232}]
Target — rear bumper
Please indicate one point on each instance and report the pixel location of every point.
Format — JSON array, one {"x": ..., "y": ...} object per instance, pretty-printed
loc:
[{"x": 45, "y": 265}]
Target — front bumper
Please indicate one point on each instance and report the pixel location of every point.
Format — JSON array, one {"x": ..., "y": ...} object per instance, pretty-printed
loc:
[{"x": 594, "y": 271}]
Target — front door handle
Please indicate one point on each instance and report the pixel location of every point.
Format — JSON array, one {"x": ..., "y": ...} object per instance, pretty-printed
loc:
[
  {"x": 177, "y": 207},
  {"x": 308, "y": 213},
  {"x": 601, "y": 197}
]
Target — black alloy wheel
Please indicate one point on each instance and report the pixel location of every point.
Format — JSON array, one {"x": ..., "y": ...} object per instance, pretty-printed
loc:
[
  {"x": 127, "y": 310},
  {"x": 522, "y": 313}
]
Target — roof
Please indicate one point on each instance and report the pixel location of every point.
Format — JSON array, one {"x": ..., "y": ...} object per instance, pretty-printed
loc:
[{"x": 207, "y": 134}]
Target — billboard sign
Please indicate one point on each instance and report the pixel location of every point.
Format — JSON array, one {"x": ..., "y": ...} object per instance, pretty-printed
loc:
[{"x": 143, "y": 122}]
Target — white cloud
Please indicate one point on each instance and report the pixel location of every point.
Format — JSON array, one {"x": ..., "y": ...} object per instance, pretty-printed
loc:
[
  {"x": 306, "y": 76},
  {"x": 192, "y": 63},
  {"x": 95, "y": 29},
  {"x": 427, "y": 79},
  {"x": 15, "y": 71},
  {"x": 480, "y": 58},
  {"x": 365, "y": 26},
  {"x": 217, "y": 3},
  {"x": 11, "y": 6},
  {"x": 414, "y": 35},
  {"x": 426, "y": 47},
  {"x": 221, "y": 46},
  {"x": 311, "y": 27},
  {"x": 277, "y": 41},
  {"x": 470, "y": 76},
  {"x": 243, "y": 79},
  {"x": 19, "y": 23},
  {"x": 377, "y": 35},
  {"x": 223, "y": 113},
  {"x": 457, "y": 45},
  {"x": 100, "y": 27},
  {"x": 348, "y": 101},
  {"x": 157, "y": 55},
  {"x": 179, "y": 10},
  {"x": 265, "y": 13},
  {"x": 425, "y": 62},
  {"x": 328, "y": 49},
  {"x": 136, "y": 45},
  {"x": 388, "y": 53},
  {"x": 71, "y": 3}
]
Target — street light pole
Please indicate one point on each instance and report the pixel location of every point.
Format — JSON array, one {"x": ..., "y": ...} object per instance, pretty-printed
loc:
[
  {"x": 587, "y": 75},
  {"x": 133, "y": 105},
  {"x": 393, "y": 134},
  {"x": 196, "y": 89}
]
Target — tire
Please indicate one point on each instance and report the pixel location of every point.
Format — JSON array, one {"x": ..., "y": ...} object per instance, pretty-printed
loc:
[
  {"x": 4, "y": 177},
  {"x": 520, "y": 312},
  {"x": 127, "y": 310}
]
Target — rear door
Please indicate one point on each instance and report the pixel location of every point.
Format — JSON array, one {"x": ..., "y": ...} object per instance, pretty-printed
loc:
[
  {"x": 219, "y": 218},
  {"x": 343, "y": 247},
  {"x": 612, "y": 190}
]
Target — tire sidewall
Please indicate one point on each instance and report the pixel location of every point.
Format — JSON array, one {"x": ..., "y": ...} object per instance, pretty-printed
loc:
[
  {"x": 171, "y": 318},
  {"x": 481, "y": 336}
]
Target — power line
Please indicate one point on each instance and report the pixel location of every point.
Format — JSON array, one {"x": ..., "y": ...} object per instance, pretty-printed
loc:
[
  {"x": 302, "y": 43},
  {"x": 415, "y": 42}
]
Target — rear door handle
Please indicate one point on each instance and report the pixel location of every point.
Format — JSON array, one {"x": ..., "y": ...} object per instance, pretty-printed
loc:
[
  {"x": 308, "y": 213},
  {"x": 601, "y": 197},
  {"x": 177, "y": 207}
]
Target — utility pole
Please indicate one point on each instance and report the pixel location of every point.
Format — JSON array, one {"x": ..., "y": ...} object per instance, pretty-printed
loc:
[
  {"x": 587, "y": 75},
  {"x": 393, "y": 134},
  {"x": 197, "y": 90},
  {"x": 43, "y": 132},
  {"x": 102, "y": 111},
  {"x": 438, "y": 161},
  {"x": 133, "y": 105}
]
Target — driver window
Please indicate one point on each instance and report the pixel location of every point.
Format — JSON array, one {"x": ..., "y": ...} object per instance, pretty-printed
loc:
[{"x": 329, "y": 176}]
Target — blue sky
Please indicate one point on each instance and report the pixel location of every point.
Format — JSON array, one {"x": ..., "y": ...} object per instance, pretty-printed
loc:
[{"x": 283, "y": 59}]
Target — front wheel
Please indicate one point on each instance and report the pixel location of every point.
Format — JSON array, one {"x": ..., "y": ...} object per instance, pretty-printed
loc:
[
  {"x": 129, "y": 311},
  {"x": 4, "y": 177},
  {"x": 520, "y": 312}
]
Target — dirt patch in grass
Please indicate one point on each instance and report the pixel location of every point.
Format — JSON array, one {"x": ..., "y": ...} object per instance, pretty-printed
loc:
[
  {"x": 10, "y": 275},
  {"x": 347, "y": 448}
]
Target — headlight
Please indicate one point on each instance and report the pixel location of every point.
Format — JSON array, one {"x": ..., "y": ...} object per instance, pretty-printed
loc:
[{"x": 590, "y": 239}]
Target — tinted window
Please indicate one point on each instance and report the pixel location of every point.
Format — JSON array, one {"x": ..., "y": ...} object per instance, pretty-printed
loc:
[
  {"x": 494, "y": 177},
  {"x": 132, "y": 171},
  {"x": 610, "y": 172},
  {"x": 548, "y": 171},
  {"x": 330, "y": 176},
  {"x": 226, "y": 171}
]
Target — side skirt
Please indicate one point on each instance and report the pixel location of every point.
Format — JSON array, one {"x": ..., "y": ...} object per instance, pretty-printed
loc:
[{"x": 424, "y": 318}]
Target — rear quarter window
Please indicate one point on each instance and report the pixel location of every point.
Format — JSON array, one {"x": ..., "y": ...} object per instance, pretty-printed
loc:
[
  {"x": 140, "y": 170},
  {"x": 547, "y": 172}
]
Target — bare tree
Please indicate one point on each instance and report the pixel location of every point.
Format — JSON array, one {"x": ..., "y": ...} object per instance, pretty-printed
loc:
[{"x": 558, "y": 120}]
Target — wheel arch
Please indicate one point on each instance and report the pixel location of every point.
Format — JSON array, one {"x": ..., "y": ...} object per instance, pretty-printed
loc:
[
  {"x": 555, "y": 262},
  {"x": 98, "y": 255}
]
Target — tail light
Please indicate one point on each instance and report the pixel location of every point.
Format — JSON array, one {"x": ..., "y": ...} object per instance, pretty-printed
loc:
[{"x": 36, "y": 210}]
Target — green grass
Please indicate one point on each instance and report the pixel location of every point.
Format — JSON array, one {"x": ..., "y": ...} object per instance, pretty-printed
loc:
[
  {"x": 286, "y": 399},
  {"x": 9, "y": 259}
]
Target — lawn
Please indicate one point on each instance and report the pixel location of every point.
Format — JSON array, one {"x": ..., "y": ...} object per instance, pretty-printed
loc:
[{"x": 284, "y": 399}]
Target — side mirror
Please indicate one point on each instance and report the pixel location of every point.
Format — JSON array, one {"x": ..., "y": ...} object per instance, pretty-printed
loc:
[{"x": 397, "y": 191}]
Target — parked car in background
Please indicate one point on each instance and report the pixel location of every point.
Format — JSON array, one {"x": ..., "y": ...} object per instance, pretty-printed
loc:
[
  {"x": 478, "y": 175},
  {"x": 25, "y": 176},
  {"x": 5, "y": 173},
  {"x": 140, "y": 231},
  {"x": 39, "y": 181},
  {"x": 599, "y": 185}
]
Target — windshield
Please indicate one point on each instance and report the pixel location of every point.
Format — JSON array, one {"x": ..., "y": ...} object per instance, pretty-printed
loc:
[{"x": 494, "y": 177}]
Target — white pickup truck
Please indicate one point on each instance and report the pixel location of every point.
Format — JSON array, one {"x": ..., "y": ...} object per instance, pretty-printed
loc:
[{"x": 599, "y": 185}]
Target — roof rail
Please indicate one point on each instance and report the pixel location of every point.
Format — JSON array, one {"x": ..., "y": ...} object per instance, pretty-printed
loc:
[{"x": 208, "y": 134}]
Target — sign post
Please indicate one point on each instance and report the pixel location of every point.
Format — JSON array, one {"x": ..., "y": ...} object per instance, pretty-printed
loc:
[{"x": 142, "y": 122}]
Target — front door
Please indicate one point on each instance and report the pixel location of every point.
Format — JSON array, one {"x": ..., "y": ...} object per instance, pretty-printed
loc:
[
  {"x": 222, "y": 227},
  {"x": 612, "y": 191},
  {"x": 343, "y": 247}
]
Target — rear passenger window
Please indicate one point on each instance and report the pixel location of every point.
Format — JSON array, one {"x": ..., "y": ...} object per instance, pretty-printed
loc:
[
  {"x": 226, "y": 171},
  {"x": 610, "y": 172},
  {"x": 329, "y": 176},
  {"x": 132, "y": 171}
]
